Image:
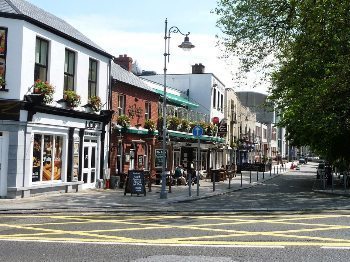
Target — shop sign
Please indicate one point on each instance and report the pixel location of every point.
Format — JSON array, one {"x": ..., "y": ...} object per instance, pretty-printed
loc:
[
  {"x": 222, "y": 129},
  {"x": 93, "y": 125},
  {"x": 135, "y": 183}
]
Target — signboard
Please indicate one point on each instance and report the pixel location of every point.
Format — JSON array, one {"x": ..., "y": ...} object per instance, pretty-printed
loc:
[
  {"x": 197, "y": 131},
  {"x": 135, "y": 183},
  {"x": 222, "y": 129},
  {"x": 158, "y": 158}
]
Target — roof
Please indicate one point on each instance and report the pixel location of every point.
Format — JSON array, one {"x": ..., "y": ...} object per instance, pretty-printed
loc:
[
  {"x": 24, "y": 10},
  {"x": 122, "y": 75}
]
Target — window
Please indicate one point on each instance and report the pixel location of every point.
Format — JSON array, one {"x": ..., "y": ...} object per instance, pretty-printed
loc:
[
  {"x": 218, "y": 102},
  {"x": 41, "y": 59},
  {"x": 121, "y": 104},
  {"x": 3, "y": 50},
  {"x": 214, "y": 98},
  {"x": 92, "y": 78},
  {"x": 264, "y": 133},
  {"x": 222, "y": 102},
  {"x": 147, "y": 110},
  {"x": 69, "y": 70},
  {"x": 47, "y": 158}
]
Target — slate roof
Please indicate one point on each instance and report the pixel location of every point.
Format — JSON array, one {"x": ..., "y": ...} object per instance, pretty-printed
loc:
[
  {"x": 24, "y": 10},
  {"x": 122, "y": 75}
]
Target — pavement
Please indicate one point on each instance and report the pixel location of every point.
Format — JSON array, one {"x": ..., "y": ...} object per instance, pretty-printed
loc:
[{"x": 114, "y": 200}]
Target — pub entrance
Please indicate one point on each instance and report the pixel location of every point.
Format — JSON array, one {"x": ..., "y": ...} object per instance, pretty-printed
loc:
[{"x": 90, "y": 162}]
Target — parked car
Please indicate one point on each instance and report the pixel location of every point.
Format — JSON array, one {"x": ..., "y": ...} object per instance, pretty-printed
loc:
[
  {"x": 301, "y": 160},
  {"x": 320, "y": 168}
]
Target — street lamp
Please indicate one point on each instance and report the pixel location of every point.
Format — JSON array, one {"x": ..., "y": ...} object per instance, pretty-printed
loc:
[{"x": 185, "y": 45}]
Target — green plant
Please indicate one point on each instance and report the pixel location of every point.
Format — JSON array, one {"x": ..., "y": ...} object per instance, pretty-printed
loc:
[
  {"x": 173, "y": 122},
  {"x": 45, "y": 89},
  {"x": 2, "y": 81},
  {"x": 123, "y": 121},
  {"x": 150, "y": 125},
  {"x": 185, "y": 125},
  {"x": 72, "y": 98},
  {"x": 95, "y": 103}
]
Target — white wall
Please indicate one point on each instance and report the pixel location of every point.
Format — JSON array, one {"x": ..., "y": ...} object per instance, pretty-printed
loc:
[{"x": 21, "y": 59}]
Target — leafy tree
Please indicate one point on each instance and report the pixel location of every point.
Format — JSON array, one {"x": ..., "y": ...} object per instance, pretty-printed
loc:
[{"x": 310, "y": 41}]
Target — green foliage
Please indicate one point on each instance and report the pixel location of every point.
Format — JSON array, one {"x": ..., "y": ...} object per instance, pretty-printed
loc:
[
  {"x": 95, "y": 102},
  {"x": 123, "y": 121},
  {"x": 45, "y": 89},
  {"x": 150, "y": 125},
  {"x": 310, "y": 42},
  {"x": 173, "y": 122},
  {"x": 72, "y": 98}
]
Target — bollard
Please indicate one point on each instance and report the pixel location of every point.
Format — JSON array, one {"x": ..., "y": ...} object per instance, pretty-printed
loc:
[
  {"x": 257, "y": 175},
  {"x": 250, "y": 176},
  {"x": 241, "y": 180},
  {"x": 263, "y": 174},
  {"x": 270, "y": 171},
  {"x": 277, "y": 170},
  {"x": 189, "y": 184},
  {"x": 213, "y": 181},
  {"x": 274, "y": 171}
]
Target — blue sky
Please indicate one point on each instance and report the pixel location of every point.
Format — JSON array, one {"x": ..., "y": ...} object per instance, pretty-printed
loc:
[{"x": 136, "y": 28}]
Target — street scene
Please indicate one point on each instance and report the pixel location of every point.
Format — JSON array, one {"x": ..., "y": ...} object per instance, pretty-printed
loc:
[{"x": 116, "y": 145}]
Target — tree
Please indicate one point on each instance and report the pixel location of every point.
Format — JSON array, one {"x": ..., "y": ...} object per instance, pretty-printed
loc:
[{"x": 310, "y": 41}]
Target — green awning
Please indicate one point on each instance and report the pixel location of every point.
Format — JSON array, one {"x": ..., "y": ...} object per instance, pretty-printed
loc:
[
  {"x": 185, "y": 135},
  {"x": 134, "y": 130},
  {"x": 177, "y": 99}
]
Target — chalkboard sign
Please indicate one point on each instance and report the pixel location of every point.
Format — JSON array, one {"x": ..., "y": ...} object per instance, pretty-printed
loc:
[
  {"x": 135, "y": 183},
  {"x": 158, "y": 160}
]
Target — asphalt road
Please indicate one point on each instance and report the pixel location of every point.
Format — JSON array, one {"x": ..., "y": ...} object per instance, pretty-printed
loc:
[{"x": 280, "y": 220}]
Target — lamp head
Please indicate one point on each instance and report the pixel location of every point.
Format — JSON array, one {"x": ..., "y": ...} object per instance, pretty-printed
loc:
[{"x": 186, "y": 45}]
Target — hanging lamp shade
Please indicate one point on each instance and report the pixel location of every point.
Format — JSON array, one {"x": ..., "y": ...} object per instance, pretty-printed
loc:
[{"x": 186, "y": 45}]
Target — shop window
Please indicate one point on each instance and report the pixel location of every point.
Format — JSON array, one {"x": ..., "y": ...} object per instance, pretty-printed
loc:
[
  {"x": 47, "y": 158},
  {"x": 69, "y": 70},
  {"x": 3, "y": 49},
  {"x": 92, "y": 84},
  {"x": 41, "y": 59},
  {"x": 148, "y": 110}
]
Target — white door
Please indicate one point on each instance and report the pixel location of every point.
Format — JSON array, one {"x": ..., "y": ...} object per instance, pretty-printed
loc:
[
  {"x": 3, "y": 164},
  {"x": 90, "y": 163}
]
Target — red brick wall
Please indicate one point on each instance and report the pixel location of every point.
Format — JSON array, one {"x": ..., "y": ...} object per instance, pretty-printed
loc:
[{"x": 135, "y": 97}]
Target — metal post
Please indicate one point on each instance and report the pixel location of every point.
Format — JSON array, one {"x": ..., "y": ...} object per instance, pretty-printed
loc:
[
  {"x": 163, "y": 193},
  {"x": 264, "y": 174},
  {"x": 213, "y": 176},
  {"x": 277, "y": 169},
  {"x": 257, "y": 175},
  {"x": 270, "y": 170},
  {"x": 250, "y": 176},
  {"x": 189, "y": 183},
  {"x": 198, "y": 155},
  {"x": 274, "y": 170},
  {"x": 241, "y": 180}
]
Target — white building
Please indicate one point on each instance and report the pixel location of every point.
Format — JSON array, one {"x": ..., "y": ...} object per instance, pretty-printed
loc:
[
  {"x": 47, "y": 147},
  {"x": 204, "y": 88}
]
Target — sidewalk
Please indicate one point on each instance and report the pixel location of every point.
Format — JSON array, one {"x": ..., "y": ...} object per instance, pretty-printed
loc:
[{"x": 113, "y": 200}]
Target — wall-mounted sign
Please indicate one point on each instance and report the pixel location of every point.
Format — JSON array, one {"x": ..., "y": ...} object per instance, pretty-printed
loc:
[
  {"x": 93, "y": 125},
  {"x": 222, "y": 129},
  {"x": 3, "y": 49}
]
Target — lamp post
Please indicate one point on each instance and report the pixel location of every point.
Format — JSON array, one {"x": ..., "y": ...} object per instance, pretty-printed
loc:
[{"x": 185, "y": 45}]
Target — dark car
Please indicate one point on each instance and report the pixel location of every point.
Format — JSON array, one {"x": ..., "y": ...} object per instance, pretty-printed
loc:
[{"x": 302, "y": 161}]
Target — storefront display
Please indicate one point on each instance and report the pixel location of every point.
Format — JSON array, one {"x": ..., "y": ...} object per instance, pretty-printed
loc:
[{"x": 47, "y": 160}]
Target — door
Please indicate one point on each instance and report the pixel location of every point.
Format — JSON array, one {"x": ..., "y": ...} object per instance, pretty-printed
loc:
[
  {"x": 3, "y": 164},
  {"x": 89, "y": 163}
]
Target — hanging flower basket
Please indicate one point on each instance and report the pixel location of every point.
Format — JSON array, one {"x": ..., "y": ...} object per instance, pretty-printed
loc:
[
  {"x": 123, "y": 121},
  {"x": 71, "y": 98},
  {"x": 45, "y": 89},
  {"x": 94, "y": 103},
  {"x": 2, "y": 82},
  {"x": 150, "y": 125}
]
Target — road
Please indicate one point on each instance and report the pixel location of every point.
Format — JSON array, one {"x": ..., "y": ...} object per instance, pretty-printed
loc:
[{"x": 281, "y": 220}]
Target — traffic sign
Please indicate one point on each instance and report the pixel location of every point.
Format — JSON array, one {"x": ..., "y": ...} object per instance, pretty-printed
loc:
[{"x": 197, "y": 131}]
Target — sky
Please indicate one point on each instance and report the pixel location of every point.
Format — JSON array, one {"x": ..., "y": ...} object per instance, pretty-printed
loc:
[{"x": 136, "y": 28}]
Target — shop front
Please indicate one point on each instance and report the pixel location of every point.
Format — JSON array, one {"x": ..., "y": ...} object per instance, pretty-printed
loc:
[{"x": 54, "y": 150}]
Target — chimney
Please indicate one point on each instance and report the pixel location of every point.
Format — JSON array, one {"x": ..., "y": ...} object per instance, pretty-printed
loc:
[
  {"x": 124, "y": 61},
  {"x": 198, "y": 69}
]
